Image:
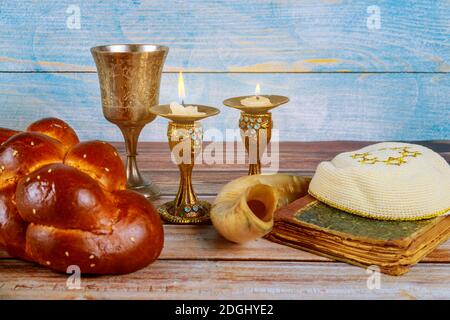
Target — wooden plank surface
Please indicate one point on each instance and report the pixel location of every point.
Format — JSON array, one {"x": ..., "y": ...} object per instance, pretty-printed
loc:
[
  {"x": 175, "y": 279},
  {"x": 339, "y": 106},
  {"x": 237, "y": 36},
  {"x": 197, "y": 263},
  {"x": 204, "y": 243},
  {"x": 299, "y": 157}
]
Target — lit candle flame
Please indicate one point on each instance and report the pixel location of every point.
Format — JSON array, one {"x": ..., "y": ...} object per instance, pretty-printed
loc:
[
  {"x": 258, "y": 90},
  {"x": 181, "y": 91}
]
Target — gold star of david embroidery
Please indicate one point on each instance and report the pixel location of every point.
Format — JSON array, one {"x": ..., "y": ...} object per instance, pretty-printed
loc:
[
  {"x": 404, "y": 152},
  {"x": 407, "y": 153},
  {"x": 369, "y": 160},
  {"x": 398, "y": 161},
  {"x": 360, "y": 155}
]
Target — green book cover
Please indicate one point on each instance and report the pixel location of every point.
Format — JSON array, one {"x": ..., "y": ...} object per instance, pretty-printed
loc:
[{"x": 394, "y": 246}]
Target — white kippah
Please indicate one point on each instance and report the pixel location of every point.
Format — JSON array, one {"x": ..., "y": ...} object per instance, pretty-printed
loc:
[{"x": 387, "y": 181}]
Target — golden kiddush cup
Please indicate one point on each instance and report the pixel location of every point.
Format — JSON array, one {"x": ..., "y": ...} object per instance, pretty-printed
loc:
[
  {"x": 130, "y": 77},
  {"x": 256, "y": 125},
  {"x": 185, "y": 136}
]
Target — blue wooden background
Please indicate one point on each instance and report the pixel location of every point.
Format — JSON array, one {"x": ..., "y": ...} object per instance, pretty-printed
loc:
[{"x": 346, "y": 80}]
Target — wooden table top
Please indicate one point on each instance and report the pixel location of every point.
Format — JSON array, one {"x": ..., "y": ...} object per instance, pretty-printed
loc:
[{"x": 197, "y": 263}]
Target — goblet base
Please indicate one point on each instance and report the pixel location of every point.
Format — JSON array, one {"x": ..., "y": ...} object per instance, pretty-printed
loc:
[
  {"x": 148, "y": 190},
  {"x": 200, "y": 215}
]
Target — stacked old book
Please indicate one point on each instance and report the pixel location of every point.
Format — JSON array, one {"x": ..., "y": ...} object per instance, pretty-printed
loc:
[{"x": 393, "y": 246}]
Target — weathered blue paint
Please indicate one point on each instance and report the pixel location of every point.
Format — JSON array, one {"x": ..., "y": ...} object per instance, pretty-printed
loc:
[
  {"x": 254, "y": 35},
  {"x": 407, "y": 98},
  {"x": 323, "y": 106}
]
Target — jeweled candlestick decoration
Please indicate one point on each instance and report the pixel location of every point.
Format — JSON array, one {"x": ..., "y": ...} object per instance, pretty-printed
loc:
[
  {"x": 256, "y": 128},
  {"x": 256, "y": 123},
  {"x": 185, "y": 135}
]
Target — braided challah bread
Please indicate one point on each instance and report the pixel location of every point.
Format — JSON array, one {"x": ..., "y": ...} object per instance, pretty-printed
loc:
[{"x": 64, "y": 203}]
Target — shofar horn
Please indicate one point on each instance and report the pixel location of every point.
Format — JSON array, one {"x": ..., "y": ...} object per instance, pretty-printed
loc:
[{"x": 243, "y": 209}]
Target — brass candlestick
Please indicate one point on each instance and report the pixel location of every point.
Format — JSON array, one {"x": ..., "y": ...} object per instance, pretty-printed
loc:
[
  {"x": 256, "y": 127},
  {"x": 185, "y": 137},
  {"x": 130, "y": 76}
]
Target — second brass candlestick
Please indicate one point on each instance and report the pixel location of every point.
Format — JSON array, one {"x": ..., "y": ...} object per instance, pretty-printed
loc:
[{"x": 256, "y": 127}]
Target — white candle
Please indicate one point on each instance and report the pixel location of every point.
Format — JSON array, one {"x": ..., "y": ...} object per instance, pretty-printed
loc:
[
  {"x": 256, "y": 100},
  {"x": 181, "y": 109},
  {"x": 178, "y": 109}
]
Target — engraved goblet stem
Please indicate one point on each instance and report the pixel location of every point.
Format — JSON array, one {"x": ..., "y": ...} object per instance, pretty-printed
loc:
[{"x": 135, "y": 181}]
